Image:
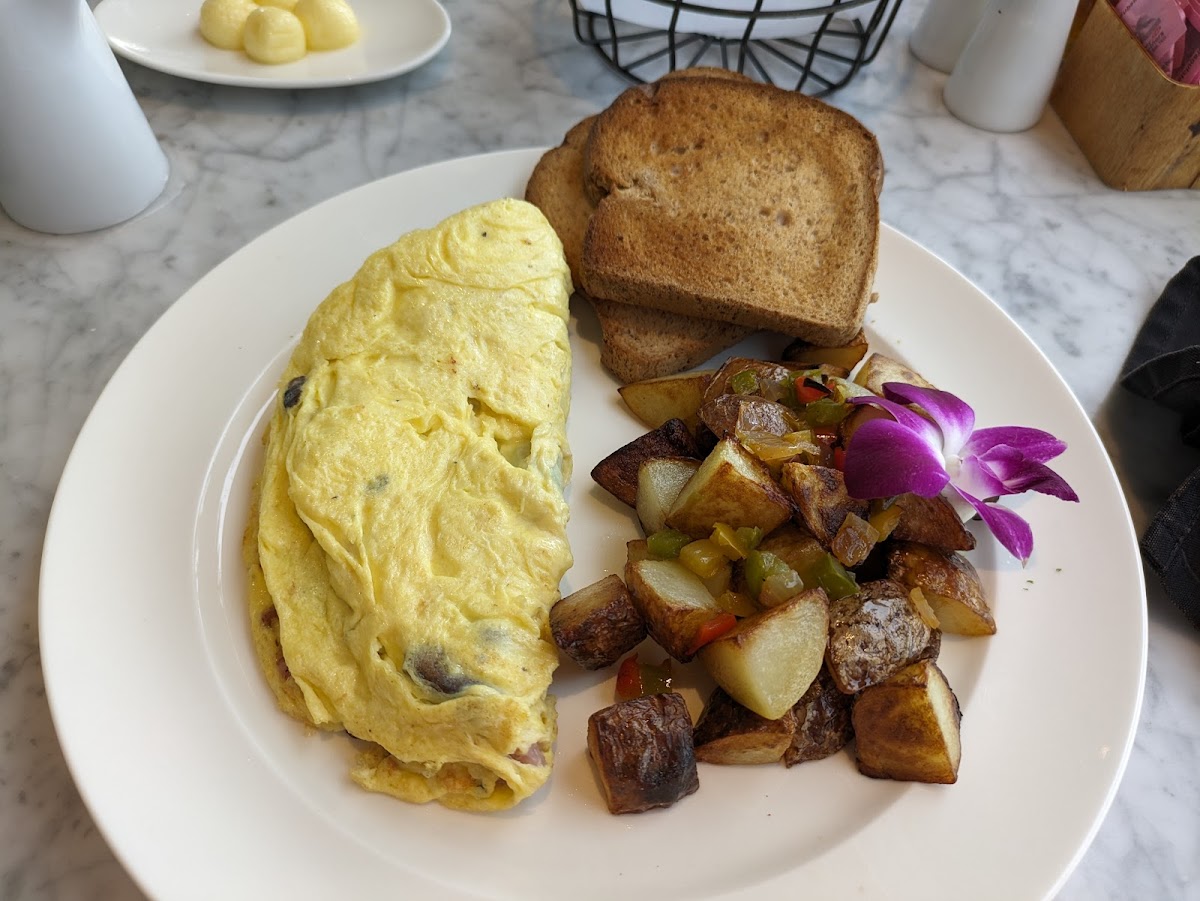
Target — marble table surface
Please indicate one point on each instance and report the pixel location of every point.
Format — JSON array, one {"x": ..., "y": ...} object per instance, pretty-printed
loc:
[{"x": 1076, "y": 264}]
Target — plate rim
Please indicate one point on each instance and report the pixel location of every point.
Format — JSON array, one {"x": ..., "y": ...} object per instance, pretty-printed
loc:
[
  {"x": 73, "y": 755},
  {"x": 151, "y": 61}
]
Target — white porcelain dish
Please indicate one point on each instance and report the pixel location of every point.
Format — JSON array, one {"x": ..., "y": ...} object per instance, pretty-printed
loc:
[
  {"x": 397, "y": 37},
  {"x": 205, "y": 790}
]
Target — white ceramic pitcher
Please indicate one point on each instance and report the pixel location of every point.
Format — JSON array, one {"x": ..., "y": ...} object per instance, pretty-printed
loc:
[{"x": 76, "y": 151}]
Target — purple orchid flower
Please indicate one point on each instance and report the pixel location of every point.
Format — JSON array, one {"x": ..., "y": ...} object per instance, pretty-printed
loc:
[{"x": 926, "y": 456}]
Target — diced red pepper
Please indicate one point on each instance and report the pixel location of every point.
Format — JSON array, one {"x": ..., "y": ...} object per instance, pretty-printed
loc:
[
  {"x": 629, "y": 679},
  {"x": 839, "y": 458},
  {"x": 806, "y": 394},
  {"x": 721, "y": 624},
  {"x": 825, "y": 432}
]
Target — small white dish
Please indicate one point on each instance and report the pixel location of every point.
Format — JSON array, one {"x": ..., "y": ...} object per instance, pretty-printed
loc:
[
  {"x": 205, "y": 790},
  {"x": 397, "y": 37}
]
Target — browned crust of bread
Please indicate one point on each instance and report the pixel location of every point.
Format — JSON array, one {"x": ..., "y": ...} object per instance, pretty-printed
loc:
[
  {"x": 556, "y": 188},
  {"x": 735, "y": 201}
]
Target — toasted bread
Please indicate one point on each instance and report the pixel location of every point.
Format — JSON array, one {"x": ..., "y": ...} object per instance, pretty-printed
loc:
[
  {"x": 734, "y": 201},
  {"x": 637, "y": 343}
]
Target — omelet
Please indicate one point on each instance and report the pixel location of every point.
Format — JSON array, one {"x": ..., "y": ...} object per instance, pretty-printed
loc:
[{"x": 408, "y": 531}]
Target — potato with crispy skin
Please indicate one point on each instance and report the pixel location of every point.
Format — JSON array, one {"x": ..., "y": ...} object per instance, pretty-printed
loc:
[
  {"x": 733, "y": 413},
  {"x": 654, "y": 401},
  {"x": 595, "y": 625},
  {"x": 879, "y": 370},
  {"x": 907, "y": 727},
  {"x": 932, "y": 521},
  {"x": 822, "y": 717},
  {"x": 949, "y": 584},
  {"x": 643, "y": 752},
  {"x": 728, "y": 733},
  {"x": 846, "y": 357},
  {"x": 822, "y": 501},
  {"x": 769, "y": 660},
  {"x": 873, "y": 634},
  {"x": 674, "y": 602},
  {"x": 731, "y": 486},
  {"x": 618, "y": 472}
]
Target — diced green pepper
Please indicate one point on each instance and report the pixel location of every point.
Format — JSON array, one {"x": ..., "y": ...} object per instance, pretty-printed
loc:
[
  {"x": 826, "y": 412},
  {"x": 763, "y": 566},
  {"x": 827, "y": 572},
  {"x": 744, "y": 382},
  {"x": 749, "y": 536},
  {"x": 656, "y": 678},
  {"x": 666, "y": 544}
]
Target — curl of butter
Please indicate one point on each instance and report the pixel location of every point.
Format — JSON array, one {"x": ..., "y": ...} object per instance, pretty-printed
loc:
[
  {"x": 328, "y": 24},
  {"x": 289, "y": 5},
  {"x": 273, "y": 36},
  {"x": 222, "y": 22}
]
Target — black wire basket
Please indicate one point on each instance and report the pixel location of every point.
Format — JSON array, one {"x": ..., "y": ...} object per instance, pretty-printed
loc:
[{"x": 813, "y": 49}]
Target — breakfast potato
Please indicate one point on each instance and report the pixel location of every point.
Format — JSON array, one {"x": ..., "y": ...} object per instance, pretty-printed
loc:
[
  {"x": 769, "y": 660},
  {"x": 932, "y": 521},
  {"x": 873, "y": 634},
  {"x": 733, "y": 413},
  {"x": 643, "y": 752},
  {"x": 854, "y": 541},
  {"x": 822, "y": 718},
  {"x": 660, "y": 479},
  {"x": 655, "y": 401},
  {"x": 908, "y": 727},
  {"x": 595, "y": 625},
  {"x": 729, "y": 733},
  {"x": 949, "y": 584},
  {"x": 879, "y": 370},
  {"x": 637, "y": 549},
  {"x": 845, "y": 357},
  {"x": 859, "y": 416},
  {"x": 731, "y": 486},
  {"x": 822, "y": 502},
  {"x": 766, "y": 374},
  {"x": 618, "y": 472},
  {"x": 673, "y": 601}
]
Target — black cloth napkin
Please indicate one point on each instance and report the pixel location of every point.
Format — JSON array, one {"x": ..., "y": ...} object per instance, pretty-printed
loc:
[{"x": 1164, "y": 366}]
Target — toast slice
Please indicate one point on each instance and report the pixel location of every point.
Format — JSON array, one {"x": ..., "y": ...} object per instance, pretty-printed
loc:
[
  {"x": 636, "y": 343},
  {"x": 735, "y": 201}
]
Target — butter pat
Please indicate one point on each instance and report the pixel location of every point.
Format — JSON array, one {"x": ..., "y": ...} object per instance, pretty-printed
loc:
[
  {"x": 328, "y": 24},
  {"x": 222, "y": 22},
  {"x": 273, "y": 36}
]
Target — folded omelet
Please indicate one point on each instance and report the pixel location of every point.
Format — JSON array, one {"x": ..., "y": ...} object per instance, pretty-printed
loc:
[{"x": 408, "y": 534}]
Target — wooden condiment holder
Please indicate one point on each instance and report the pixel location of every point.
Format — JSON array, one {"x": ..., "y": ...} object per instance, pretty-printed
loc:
[{"x": 1138, "y": 128}]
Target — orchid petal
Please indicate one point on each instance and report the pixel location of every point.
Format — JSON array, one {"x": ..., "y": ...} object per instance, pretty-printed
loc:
[
  {"x": 1018, "y": 474},
  {"x": 1010, "y": 530},
  {"x": 885, "y": 458},
  {"x": 953, "y": 415},
  {"x": 975, "y": 478},
  {"x": 910, "y": 419},
  {"x": 1035, "y": 444}
]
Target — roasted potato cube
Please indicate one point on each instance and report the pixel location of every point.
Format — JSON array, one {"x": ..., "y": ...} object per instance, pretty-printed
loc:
[
  {"x": 822, "y": 502},
  {"x": 949, "y": 583},
  {"x": 859, "y": 416},
  {"x": 879, "y": 370},
  {"x": 874, "y": 634},
  {"x": 823, "y": 725},
  {"x": 638, "y": 549},
  {"x": 854, "y": 540},
  {"x": 766, "y": 374},
  {"x": 673, "y": 601},
  {"x": 731, "y": 486},
  {"x": 932, "y": 521},
  {"x": 768, "y": 661},
  {"x": 907, "y": 727},
  {"x": 655, "y": 401},
  {"x": 733, "y": 413},
  {"x": 618, "y": 472},
  {"x": 643, "y": 752},
  {"x": 795, "y": 546},
  {"x": 660, "y": 479},
  {"x": 729, "y": 733},
  {"x": 845, "y": 357},
  {"x": 595, "y": 625}
]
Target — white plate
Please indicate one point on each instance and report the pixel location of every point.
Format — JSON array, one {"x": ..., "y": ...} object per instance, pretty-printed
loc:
[
  {"x": 397, "y": 36},
  {"x": 204, "y": 789}
]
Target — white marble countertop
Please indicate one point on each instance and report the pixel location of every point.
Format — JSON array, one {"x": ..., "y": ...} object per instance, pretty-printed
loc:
[{"x": 1077, "y": 264}]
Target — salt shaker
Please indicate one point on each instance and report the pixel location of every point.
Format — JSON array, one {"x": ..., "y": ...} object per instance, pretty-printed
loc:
[
  {"x": 1004, "y": 76},
  {"x": 76, "y": 151},
  {"x": 944, "y": 30}
]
